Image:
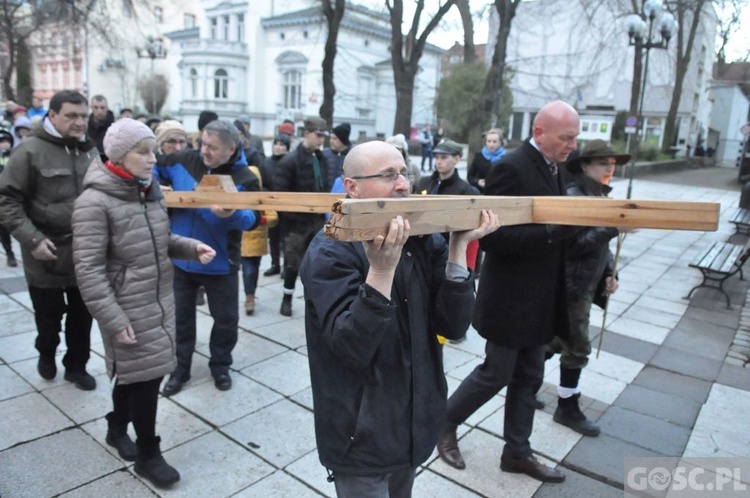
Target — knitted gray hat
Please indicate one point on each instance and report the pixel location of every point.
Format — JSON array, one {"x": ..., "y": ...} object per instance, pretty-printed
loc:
[{"x": 123, "y": 135}]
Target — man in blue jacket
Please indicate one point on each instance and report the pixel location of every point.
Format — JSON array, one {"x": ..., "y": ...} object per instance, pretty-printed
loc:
[
  {"x": 220, "y": 154},
  {"x": 372, "y": 312}
]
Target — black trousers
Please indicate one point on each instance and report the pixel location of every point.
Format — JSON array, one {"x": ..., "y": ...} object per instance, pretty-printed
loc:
[
  {"x": 522, "y": 370},
  {"x": 6, "y": 242},
  {"x": 222, "y": 293},
  {"x": 137, "y": 403},
  {"x": 49, "y": 307}
]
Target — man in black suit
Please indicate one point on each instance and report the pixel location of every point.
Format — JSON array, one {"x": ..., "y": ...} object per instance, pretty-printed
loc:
[{"x": 521, "y": 301}]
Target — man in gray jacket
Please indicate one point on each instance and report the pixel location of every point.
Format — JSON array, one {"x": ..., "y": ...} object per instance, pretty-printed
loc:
[{"x": 37, "y": 191}]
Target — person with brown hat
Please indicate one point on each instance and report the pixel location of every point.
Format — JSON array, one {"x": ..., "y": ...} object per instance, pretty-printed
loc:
[
  {"x": 589, "y": 279},
  {"x": 302, "y": 170},
  {"x": 337, "y": 151}
]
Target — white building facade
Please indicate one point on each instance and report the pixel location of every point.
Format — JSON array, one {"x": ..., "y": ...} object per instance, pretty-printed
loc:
[
  {"x": 578, "y": 52},
  {"x": 264, "y": 59},
  {"x": 731, "y": 109}
]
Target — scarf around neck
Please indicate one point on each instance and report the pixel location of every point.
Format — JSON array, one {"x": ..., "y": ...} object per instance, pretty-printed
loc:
[{"x": 493, "y": 156}]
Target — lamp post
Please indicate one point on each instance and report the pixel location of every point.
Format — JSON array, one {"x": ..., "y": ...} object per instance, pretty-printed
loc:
[
  {"x": 153, "y": 50},
  {"x": 642, "y": 33}
]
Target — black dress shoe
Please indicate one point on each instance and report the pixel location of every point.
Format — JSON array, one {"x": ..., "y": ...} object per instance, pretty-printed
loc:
[
  {"x": 274, "y": 270},
  {"x": 447, "y": 447},
  {"x": 82, "y": 380},
  {"x": 539, "y": 404},
  {"x": 223, "y": 382},
  {"x": 173, "y": 385},
  {"x": 46, "y": 367},
  {"x": 532, "y": 468}
]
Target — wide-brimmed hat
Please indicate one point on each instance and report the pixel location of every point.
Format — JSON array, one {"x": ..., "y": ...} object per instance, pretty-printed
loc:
[{"x": 596, "y": 149}]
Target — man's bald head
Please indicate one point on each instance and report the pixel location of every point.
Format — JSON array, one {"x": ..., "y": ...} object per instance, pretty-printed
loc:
[
  {"x": 367, "y": 168},
  {"x": 556, "y": 127}
]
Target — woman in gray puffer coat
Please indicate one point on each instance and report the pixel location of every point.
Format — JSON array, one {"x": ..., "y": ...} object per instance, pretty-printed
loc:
[{"x": 122, "y": 247}]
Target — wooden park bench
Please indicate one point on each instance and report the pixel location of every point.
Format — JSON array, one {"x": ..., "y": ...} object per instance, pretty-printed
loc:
[
  {"x": 741, "y": 220},
  {"x": 718, "y": 264}
]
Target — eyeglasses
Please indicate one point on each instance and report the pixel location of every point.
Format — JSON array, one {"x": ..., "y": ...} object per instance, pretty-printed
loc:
[{"x": 389, "y": 177}]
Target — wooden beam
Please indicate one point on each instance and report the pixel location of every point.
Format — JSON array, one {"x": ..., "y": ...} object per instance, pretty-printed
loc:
[
  {"x": 364, "y": 219},
  {"x": 278, "y": 201}
]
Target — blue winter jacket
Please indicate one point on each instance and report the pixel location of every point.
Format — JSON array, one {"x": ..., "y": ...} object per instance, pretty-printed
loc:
[{"x": 183, "y": 171}]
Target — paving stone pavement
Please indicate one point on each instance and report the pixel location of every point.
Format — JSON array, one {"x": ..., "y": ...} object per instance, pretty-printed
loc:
[{"x": 661, "y": 385}]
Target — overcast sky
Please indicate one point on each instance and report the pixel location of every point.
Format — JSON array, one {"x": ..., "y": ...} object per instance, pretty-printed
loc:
[{"x": 451, "y": 30}]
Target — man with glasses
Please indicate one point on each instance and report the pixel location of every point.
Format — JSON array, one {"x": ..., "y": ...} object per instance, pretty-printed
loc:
[
  {"x": 372, "y": 310},
  {"x": 171, "y": 137},
  {"x": 305, "y": 169},
  {"x": 37, "y": 190}
]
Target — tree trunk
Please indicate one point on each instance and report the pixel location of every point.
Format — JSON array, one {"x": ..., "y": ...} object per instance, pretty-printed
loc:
[
  {"x": 406, "y": 50},
  {"x": 683, "y": 63},
  {"x": 333, "y": 15},
  {"x": 470, "y": 54},
  {"x": 8, "y": 71},
  {"x": 24, "y": 85},
  {"x": 485, "y": 108}
]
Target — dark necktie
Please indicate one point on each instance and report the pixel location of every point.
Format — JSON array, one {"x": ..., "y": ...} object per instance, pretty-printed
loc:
[{"x": 553, "y": 169}]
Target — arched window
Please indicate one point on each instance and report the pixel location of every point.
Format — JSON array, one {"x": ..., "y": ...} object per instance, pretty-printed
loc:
[
  {"x": 193, "y": 83},
  {"x": 292, "y": 89},
  {"x": 221, "y": 84}
]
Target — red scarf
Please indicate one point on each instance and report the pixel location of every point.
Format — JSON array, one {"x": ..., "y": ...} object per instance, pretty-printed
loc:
[{"x": 120, "y": 172}]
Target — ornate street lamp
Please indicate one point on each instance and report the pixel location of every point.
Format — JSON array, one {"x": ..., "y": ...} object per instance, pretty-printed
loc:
[
  {"x": 153, "y": 50},
  {"x": 651, "y": 29}
]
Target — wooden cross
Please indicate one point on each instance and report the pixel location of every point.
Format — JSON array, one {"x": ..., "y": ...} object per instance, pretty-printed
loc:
[{"x": 364, "y": 219}]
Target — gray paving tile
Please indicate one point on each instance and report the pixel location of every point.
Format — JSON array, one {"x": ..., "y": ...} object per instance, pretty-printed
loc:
[
  {"x": 686, "y": 363},
  {"x": 54, "y": 469},
  {"x": 644, "y": 430},
  {"x": 304, "y": 398},
  {"x": 287, "y": 373},
  {"x": 604, "y": 456},
  {"x": 120, "y": 484},
  {"x": 12, "y": 384},
  {"x": 17, "y": 427},
  {"x": 701, "y": 328},
  {"x": 577, "y": 485},
  {"x": 250, "y": 349},
  {"x": 309, "y": 470},
  {"x": 734, "y": 376},
  {"x": 278, "y": 484},
  {"x": 724, "y": 318},
  {"x": 707, "y": 344},
  {"x": 628, "y": 347},
  {"x": 429, "y": 483},
  {"x": 203, "y": 460},
  {"x": 222, "y": 407},
  {"x": 664, "y": 406},
  {"x": 280, "y": 433},
  {"x": 661, "y": 380},
  {"x": 18, "y": 347},
  {"x": 289, "y": 332},
  {"x": 82, "y": 406},
  {"x": 639, "y": 330},
  {"x": 13, "y": 284}
]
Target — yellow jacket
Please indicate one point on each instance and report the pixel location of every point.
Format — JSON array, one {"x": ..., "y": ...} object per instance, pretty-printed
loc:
[{"x": 255, "y": 242}]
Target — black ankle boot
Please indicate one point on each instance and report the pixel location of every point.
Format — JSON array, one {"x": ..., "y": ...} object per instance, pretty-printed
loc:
[
  {"x": 286, "y": 305},
  {"x": 151, "y": 464},
  {"x": 568, "y": 413},
  {"x": 117, "y": 437}
]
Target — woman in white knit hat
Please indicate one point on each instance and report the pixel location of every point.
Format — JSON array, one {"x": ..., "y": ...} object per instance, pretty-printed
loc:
[{"x": 121, "y": 250}]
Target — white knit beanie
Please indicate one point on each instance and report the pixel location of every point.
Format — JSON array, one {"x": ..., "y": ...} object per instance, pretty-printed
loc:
[{"x": 122, "y": 136}]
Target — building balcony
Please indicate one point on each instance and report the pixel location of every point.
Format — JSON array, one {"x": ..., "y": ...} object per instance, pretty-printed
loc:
[{"x": 218, "y": 48}]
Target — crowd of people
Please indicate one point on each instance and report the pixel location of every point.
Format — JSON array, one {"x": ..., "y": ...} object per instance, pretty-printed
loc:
[{"x": 82, "y": 195}]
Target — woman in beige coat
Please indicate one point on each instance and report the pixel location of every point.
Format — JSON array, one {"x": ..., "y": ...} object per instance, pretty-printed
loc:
[{"x": 122, "y": 247}]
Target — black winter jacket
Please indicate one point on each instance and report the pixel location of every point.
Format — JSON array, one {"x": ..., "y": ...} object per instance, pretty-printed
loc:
[
  {"x": 588, "y": 255},
  {"x": 450, "y": 186},
  {"x": 296, "y": 174},
  {"x": 376, "y": 366}
]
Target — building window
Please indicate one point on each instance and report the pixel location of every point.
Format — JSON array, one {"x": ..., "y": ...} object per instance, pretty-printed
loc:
[
  {"x": 241, "y": 28},
  {"x": 189, "y": 21},
  {"x": 282, "y": 35},
  {"x": 158, "y": 14},
  {"x": 292, "y": 89},
  {"x": 517, "y": 130},
  {"x": 226, "y": 28},
  {"x": 194, "y": 83},
  {"x": 221, "y": 84},
  {"x": 127, "y": 9},
  {"x": 214, "y": 23}
]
